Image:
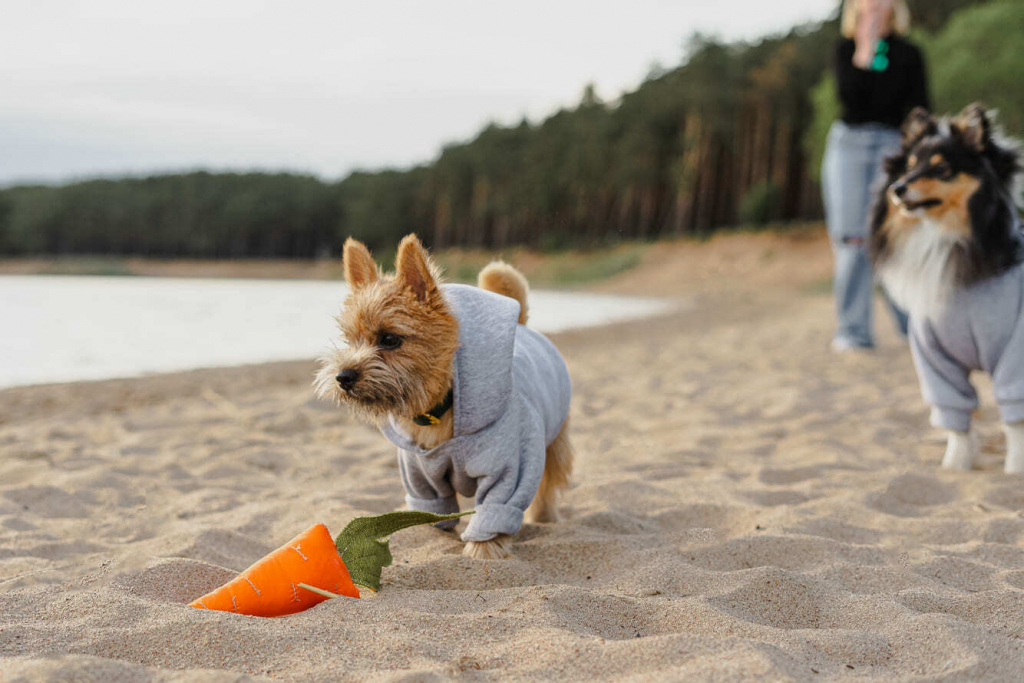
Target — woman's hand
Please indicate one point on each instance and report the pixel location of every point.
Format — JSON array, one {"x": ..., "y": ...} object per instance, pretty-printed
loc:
[{"x": 872, "y": 18}]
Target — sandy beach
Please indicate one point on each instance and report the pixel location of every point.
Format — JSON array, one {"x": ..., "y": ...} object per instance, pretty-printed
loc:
[{"x": 746, "y": 506}]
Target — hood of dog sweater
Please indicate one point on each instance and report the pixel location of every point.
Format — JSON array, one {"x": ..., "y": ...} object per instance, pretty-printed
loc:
[
  {"x": 483, "y": 378},
  {"x": 511, "y": 398}
]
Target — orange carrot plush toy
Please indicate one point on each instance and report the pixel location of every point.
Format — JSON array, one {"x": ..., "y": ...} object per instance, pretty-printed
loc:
[{"x": 313, "y": 567}]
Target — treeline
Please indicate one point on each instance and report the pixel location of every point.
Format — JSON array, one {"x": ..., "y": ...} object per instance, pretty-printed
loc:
[
  {"x": 195, "y": 214},
  {"x": 728, "y": 137}
]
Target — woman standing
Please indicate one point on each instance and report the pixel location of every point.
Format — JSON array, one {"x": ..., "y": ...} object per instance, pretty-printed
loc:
[{"x": 880, "y": 77}]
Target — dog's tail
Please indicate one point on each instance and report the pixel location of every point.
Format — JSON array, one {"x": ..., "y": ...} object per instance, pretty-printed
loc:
[{"x": 501, "y": 278}]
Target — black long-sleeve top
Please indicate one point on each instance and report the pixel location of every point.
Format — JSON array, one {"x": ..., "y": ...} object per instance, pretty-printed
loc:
[{"x": 884, "y": 97}]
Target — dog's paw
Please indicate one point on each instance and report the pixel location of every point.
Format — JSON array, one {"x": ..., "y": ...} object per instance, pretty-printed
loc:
[
  {"x": 961, "y": 447},
  {"x": 541, "y": 514},
  {"x": 498, "y": 548},
  {"x": 1015, "y": 448}
]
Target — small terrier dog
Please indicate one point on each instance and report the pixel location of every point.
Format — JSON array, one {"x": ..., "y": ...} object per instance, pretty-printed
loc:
[
  {"x": 476, "y": 402},
  {"x": 947, "y": 247}
]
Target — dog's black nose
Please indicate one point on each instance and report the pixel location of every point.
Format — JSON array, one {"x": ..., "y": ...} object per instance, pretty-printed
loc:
[
  {"x": 900, "y": 189},
  {"x": 347, "y": 378}
]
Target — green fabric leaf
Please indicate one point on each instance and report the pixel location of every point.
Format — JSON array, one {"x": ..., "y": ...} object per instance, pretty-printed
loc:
[{"x": 364, "y": 544}]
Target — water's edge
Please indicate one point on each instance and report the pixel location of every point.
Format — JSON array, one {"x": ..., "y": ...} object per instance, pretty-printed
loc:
[{"x": 66, "y": 329}]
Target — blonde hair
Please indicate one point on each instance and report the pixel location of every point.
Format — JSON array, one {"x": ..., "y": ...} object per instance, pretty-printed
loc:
[{"x": 900, "y": 18}]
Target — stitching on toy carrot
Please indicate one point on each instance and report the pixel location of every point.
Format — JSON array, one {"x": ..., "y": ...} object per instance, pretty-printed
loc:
[
  {"x": 321, "y": 591},
  {"x": 298, "y": 549},
  {"x": 253, "y": 586}
]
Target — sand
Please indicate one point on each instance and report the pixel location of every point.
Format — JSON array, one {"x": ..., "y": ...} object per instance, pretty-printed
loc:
[{"x": 747, "y": 506}]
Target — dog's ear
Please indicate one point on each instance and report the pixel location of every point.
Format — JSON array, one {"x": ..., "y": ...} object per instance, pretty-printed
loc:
[
  {"x": 972, "y": 127},
  {"x": 919, "y": 124},
  {"x": 360, "y": 270},
  {"x": 413, "y": 267}
]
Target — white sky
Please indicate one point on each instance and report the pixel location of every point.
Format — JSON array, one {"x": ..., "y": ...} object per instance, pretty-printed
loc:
[{"x": 106, "y": 87}]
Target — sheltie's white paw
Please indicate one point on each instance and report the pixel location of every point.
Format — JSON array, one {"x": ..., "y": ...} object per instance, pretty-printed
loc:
[
  {"x": 1014, "y": 448},
  {"x": 961, "y": 447}
]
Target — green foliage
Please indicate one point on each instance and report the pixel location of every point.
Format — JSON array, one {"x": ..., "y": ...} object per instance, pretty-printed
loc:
[
  {"x": 979, "y": 56},
  {"x": 7, "y": 241},
  {"x": 932, "y": 15},
  {"x": 365, "y": 546},
  {"x": 196, "y": 215},
  {"x": 760, "y": 203},
  {"x": 826, "y": 111},
  {"x": 573, "y": 272},
  {"x": 377, "y": 208}
]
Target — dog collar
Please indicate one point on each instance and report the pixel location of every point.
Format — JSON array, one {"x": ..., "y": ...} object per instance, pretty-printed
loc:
[{"x": 433, "y": 416}]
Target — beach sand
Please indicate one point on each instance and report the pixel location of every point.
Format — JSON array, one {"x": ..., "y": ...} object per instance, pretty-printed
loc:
[{"x": 747, "y": 506}]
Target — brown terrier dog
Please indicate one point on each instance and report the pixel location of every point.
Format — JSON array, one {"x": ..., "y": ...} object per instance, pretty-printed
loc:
[{"x": 476, "y": 402}]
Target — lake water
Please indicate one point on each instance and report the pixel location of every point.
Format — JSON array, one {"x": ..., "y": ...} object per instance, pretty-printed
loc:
[{"x": 64, "y": 329}]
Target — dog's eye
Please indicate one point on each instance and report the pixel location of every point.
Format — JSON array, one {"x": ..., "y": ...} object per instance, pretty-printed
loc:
[
  {"x": 942, "y": 169},
  {"x": 389, "y": 341}
]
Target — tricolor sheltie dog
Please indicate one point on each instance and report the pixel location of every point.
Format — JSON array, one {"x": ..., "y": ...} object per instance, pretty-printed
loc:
[{"x": 947, "y": 247}]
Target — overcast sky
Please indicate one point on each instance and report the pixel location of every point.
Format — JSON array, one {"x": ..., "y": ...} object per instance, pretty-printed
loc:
[{"x": 107, "y": 87}]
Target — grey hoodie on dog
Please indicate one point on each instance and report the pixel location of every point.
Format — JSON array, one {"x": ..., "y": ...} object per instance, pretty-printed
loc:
[
  {"x": 511, "y": 397},
  {"x": 981, "y": 328}
]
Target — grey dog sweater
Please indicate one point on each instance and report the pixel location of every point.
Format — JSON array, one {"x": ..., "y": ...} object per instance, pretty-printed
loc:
[
  {"x": 981, "y": 328},
  {"x": 511, "y": 397}
]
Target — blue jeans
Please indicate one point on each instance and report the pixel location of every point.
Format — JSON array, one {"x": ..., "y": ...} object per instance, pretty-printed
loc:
[{"x": 850, "y": 172}]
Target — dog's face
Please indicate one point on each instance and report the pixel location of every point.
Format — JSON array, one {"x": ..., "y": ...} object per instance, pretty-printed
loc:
[
  {"x": 948, "y": 173},
  {"x": 942, "y": 171},
  {"x": 939, "y": 182},
  {"x": 400, "y": 338},
  {"x": 945, "y": 217}
]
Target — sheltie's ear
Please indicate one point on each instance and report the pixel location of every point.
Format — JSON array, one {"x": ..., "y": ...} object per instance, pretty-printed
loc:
[
  {"x": 919, "y": 124},
  {"x": 972, "y": 128}
]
